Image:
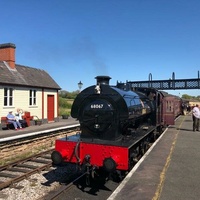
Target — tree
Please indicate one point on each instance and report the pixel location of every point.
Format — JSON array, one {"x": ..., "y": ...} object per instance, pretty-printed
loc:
[
  {"x": 68, "y": 95},
  {"x": 186, "y": 96}
]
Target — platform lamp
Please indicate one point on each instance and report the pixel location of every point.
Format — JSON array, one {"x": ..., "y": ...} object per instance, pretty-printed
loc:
[{"x": 80, "y": 84}]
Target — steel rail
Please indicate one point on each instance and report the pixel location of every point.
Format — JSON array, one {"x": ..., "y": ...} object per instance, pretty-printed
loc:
[{"x": 26, "y": 169}]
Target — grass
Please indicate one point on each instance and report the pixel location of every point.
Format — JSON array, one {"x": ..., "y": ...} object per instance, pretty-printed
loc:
[
  {"x": 26, "y": 154},
  {"x": 65, "y": 106}
]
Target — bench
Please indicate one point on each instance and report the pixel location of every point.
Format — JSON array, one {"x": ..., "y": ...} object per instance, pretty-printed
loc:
[
  {"x": 5, "y": 123},
  {"x": 8, "y": 125}
]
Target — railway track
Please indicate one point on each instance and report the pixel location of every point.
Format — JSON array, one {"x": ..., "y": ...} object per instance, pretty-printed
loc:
[
  {"x": 56, "y": 195},
  {"x": 77, "y": 189},
  {"x": 16, "y": 149},
  {"x": 17, "y": 171}
]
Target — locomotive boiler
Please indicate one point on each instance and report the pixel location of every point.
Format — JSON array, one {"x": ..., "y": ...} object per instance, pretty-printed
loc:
[
  {"x": 117, "y": 124},
  {"x": 109, "y": 113}
]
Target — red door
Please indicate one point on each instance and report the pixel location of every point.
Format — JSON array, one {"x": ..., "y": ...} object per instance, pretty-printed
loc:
[{"x": 50, "y": 107}]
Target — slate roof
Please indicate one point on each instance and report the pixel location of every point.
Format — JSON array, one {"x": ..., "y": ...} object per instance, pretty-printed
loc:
[{"x": 26, "y": 76}]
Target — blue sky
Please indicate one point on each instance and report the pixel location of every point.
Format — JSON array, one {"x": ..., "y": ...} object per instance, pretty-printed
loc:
[{"x": 76, "y": 40}]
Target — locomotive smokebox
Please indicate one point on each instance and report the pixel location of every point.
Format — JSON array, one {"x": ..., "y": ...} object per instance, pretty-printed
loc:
[{"x": 103, "y": 80}]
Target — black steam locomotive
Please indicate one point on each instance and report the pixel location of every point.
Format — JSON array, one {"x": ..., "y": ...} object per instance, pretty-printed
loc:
[
  {"x": 110, "y": 113},
  {"x": 117, "y": 124}
]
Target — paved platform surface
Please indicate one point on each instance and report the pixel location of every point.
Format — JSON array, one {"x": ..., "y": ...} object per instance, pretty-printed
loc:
[
  {"x": 63, "y": 123},
  {"x": 170, "y": 169}
]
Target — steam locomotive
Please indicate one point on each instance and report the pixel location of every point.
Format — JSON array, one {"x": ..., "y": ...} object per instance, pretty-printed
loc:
[{"x": 117, "y": 125}]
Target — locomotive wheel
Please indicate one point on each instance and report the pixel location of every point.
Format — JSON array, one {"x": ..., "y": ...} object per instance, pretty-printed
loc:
[{"x": 56, "y": 158}]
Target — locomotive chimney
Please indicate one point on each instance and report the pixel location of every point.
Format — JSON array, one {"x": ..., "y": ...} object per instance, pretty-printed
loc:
[
  {"x": 7, "y": 53},
  {"x": 102, "y": 80}
]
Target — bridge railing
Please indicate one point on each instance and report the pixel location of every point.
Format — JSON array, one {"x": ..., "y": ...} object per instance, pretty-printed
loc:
[{"x": 171, "y": 84}]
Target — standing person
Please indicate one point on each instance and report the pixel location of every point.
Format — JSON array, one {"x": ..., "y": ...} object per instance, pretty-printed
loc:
[
  {"x": 196, "y": 117},
  {"x": 11, "y": 118}
]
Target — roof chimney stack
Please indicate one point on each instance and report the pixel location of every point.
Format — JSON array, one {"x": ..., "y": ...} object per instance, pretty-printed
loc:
[{"x": 7, "y": 53}]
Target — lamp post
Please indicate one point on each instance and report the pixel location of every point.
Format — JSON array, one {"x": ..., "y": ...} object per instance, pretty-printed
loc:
[{"x": 80, "y": 84}]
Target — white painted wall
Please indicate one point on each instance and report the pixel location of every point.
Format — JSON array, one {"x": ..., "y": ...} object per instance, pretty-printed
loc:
[{"x": 21, "y": 100}]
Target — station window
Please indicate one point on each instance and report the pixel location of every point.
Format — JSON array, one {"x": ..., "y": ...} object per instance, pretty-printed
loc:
[
  {"x": 32, "y": 97},
  {"x": 8, "y": 96}
]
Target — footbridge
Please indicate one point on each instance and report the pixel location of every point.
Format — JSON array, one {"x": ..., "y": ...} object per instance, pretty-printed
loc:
[{"x": 170, "y": 84}]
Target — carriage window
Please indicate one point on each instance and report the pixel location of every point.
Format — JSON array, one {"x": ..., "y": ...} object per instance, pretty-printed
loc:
[{"x": 169, "y": 106}]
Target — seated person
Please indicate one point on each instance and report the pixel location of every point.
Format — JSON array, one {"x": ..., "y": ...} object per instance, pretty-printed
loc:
[
  {"x": 11, "y": 119},
  {"x": 18, "y": 117}
]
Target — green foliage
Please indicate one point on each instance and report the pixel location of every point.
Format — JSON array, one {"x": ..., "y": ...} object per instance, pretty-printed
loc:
[
  {"x": 65, "y": 106},
  {"x": 63, "y": 111},
  {"x": 186, "y": 96},
  {"x": 68, "y": 95},
  {"x": 63, "y": 103}
]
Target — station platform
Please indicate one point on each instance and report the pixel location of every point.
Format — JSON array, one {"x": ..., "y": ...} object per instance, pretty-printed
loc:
[
  {"x": 170, "y": 169},
  {"x": 6, "y": 135}
]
